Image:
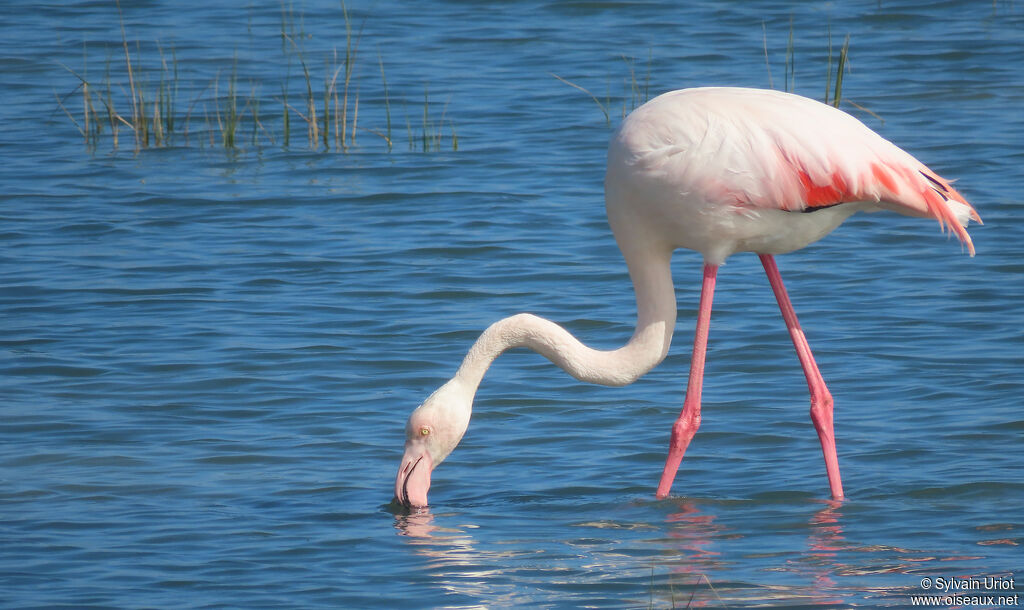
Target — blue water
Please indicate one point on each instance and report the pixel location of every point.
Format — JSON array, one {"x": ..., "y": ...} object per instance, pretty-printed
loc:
[{"x": 208, "y": 356}]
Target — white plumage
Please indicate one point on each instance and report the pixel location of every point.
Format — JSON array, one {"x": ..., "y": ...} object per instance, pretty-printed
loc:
[{"x": 705, "y": 167}]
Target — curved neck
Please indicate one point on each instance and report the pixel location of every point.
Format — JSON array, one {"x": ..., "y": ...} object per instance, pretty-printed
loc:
[{"x": 656, "y": 317}]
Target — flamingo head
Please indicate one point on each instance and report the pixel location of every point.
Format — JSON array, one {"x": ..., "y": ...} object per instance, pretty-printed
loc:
[{"x": 432, "y": 432}]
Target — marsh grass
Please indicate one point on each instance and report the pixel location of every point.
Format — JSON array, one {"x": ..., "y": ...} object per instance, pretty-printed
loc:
[
  {"x": 637, "y": 93},
  {"x": 789, "y": 84},
  {"x": 602, "y": 106},
  {"x": 837, "y": 95},
  {"x": 432, "y": 131},
  {"x": 387, "y": 105},
  {"x": 145, "y": 97},
  {"x": 228, "y": 127},
  {"x": 637, "y": 90},
  {"x": 89, "y": 127},
  {"x": 840, "y": 65}
]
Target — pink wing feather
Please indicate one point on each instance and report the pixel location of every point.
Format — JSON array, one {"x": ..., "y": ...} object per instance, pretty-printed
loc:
[{"x": 799, "y": 154}]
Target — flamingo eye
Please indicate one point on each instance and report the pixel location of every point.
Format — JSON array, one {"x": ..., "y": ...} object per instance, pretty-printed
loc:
[{"x": 424, "y": 431}]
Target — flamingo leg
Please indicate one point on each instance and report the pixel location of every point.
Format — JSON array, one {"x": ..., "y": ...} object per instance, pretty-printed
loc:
[
  {"x": 821, "y": 398},
  {"x": 689, "y": 418}
]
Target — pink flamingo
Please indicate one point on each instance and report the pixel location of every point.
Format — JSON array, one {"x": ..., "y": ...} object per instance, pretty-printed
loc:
[{"x": 719, "y": 171}]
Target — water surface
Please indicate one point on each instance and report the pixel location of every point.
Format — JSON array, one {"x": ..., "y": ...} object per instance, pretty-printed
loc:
[{"x": 208, "y": 356}]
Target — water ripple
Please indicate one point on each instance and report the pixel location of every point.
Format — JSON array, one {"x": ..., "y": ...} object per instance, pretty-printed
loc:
[{"x": 208, "y": 358}]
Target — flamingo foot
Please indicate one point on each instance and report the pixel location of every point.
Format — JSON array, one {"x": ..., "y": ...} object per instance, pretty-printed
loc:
[
  {"x": 682, "y": 433},
  {"x": 821, "y": 416}
]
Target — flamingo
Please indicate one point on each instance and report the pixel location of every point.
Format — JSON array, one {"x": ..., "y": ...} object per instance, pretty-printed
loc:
[{"x": 718, "y": 170}]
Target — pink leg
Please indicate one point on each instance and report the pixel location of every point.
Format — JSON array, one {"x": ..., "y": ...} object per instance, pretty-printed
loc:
[
  {"x": 689, "y": 419},
  {"x": 821, "y": 398}
]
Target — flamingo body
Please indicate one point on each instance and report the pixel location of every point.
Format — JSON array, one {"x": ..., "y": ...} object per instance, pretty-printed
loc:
[
  {"x": 720, "y": 170},
  {"x": 717, "y": 170}
]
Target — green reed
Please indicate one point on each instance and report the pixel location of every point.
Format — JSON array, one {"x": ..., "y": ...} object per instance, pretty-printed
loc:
[
  {"x": 228, "y": 127},
  {"x": 844, "y": 52},
  {"x": 387, "y": 103},
  {"x": 833, "y": 90},
  {"x": 789, "y": 83},
  {"x": 431, "y": 137},
  {"x": 145, "y": 98},
  {"x": 637, "y": 92}
]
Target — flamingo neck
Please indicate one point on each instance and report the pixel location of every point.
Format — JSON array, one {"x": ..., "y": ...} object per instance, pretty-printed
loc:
[{"x": 656, "y": 316}]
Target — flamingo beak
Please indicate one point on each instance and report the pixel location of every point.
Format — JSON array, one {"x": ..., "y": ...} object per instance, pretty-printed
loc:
[{"x": 413, "y": 478}]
